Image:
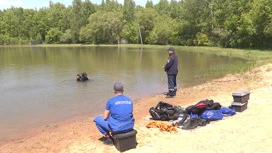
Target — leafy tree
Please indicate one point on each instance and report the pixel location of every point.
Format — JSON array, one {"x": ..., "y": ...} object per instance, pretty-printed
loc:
[
  {"x": 130, "y": 32},
  {"x": 66, "y": 21},
  {"x": 30, "y": 30},
  {"x": 236, "y": 21},
  {"x": 175, "y": 9},
  {"x": 149, "y": 4},
  {"x": 75, "y": 22},
  {"x": 53, "y": 36},
  {"x": 11, "y": 21},
  {"x": 128, "y": 10},
  {"x": 66, "y": 37},
  {"x": 41, "y": 23},
  {"x": 145, "y": 19},
  {"x": 162, "y": 7},
  {"x": 88, "y": 9},
  {"x": 110, "y": 5},
  {"x": 194, "y": 18},
  {"x": 261, "y": 23},
  {"x": 80, "y": 14},
  {"x": 103, "y": 27},
  {"x": 201, "y": 39},
  {"x": 226, "y": 23},
  {"x": 56, "y": 16},
  {"x": 163, "y": 31}
]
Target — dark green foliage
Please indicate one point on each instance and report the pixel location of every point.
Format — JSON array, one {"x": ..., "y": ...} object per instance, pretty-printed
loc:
[
  {"x": 128, "y": 10},
  {"x": 225, "y": 23},
  {"x": 149, "y": 4}
]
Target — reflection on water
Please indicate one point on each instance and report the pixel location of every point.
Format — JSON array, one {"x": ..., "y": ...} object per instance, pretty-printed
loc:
[{"x": 38, "y": 85}]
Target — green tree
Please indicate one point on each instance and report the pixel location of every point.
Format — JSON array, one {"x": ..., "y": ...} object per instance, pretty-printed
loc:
[
  {"x": 162, "y": 7},
  {"x": 110, "y": 5},
  {"x": 80, "y": 13},
  {"x": 175, "y": 9},
  {"x": 53, "y": 36},
  {"x": 130, "y": 32},
  {"x": 163, "y": 31},
  {"x": 29, "y": 30},
  {"x": 128, "y": 10},
  {"x": 41, "y": 24},
  {"x": 149, "y": 4},
  {"x": 56, "y": 15},
  {"x": 146, "y": 20},
  {"x": 66, "y": 37},
  {"x": 260, "y": 23},
  {"x": 195, "y": 17},
  {"x": 103, "y": 27},
  {"x": 236, "y": 23}
]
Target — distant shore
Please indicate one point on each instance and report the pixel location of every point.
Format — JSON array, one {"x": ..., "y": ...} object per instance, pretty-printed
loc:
[{"x": 248, "y": 54}]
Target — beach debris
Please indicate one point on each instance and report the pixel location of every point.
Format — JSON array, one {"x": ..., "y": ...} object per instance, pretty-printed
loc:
[{"x": 162, "y": 126}]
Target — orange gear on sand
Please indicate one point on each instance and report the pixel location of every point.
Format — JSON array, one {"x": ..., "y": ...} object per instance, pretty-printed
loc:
[{"x": 162, "y": 126}]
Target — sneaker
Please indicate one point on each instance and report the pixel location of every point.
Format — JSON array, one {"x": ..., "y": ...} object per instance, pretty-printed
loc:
[
  {"x": 168, "y": 96},
  {"x": 108, "y": 141}
]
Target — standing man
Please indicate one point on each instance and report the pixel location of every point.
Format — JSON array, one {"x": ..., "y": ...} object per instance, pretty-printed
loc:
[
  {"x": 171, "y": 68},
  {"x": 118, "y": 115}
]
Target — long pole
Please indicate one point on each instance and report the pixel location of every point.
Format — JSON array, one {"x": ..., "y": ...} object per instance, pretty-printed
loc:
[{"x": 140, "y": 33}]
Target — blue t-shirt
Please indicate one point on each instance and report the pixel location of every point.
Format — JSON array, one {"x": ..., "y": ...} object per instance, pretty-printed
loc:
[{"x": 121, "y": 113}]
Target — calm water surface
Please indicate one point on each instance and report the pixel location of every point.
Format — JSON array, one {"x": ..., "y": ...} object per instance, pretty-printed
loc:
[{"x": 38, "y": 85}]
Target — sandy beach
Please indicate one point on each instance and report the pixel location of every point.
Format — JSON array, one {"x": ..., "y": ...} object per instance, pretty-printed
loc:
[{"x": 248, "y": 131}]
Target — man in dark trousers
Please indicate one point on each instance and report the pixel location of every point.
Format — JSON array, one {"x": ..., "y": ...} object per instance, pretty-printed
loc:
[{"x": 171, "y": 68}]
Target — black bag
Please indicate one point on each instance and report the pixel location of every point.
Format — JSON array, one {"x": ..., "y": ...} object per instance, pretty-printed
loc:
[
  {"x": 164, "y": 112},
  {"x": 158, "y": 114},
  {"x": 190, "y": 124},
  {"x": 214, "y": 106},
  {"x": 200, "y": 107}
]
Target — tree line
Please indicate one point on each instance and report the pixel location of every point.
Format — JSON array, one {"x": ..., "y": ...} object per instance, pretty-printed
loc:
[{"x": 225, "y": 23}]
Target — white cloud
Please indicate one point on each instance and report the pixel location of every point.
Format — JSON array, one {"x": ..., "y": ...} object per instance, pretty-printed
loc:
[{"x": 11, "y": 2}]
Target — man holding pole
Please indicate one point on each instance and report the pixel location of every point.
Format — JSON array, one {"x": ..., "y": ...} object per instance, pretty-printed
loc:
[{"x": 171, "y": 68}]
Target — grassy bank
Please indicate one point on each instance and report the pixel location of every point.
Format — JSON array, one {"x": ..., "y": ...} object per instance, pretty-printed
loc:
[
  {"x": 230, "y": 52},
  {"x": 252, "y": 55}
]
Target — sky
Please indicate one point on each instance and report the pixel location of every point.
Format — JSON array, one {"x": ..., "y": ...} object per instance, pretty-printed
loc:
[{"x": 28, "y": 4}]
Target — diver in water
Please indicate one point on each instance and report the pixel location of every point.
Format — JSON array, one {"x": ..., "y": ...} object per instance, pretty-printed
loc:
[{"x": 82, "y": 77}]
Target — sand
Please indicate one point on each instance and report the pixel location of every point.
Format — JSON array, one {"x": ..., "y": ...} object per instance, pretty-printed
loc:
[{"x": 247, "y": 131}]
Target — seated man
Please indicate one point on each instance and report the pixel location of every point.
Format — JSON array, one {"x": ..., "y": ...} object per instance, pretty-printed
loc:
[
  {"x": 118, "y": 115},
  {"x": 82, "y": 77}
]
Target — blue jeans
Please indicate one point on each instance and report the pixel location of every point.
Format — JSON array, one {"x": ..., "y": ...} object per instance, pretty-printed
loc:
[
  {"x": 172, "y": 84},
  {"x": 104, "y": 127}
]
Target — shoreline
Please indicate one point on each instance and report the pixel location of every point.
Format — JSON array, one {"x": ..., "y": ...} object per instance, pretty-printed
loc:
[
  {"x": 82, "y": 136},
  {"x": 31, "y": 131}
]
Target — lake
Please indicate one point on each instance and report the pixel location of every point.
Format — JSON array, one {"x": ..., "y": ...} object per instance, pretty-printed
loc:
[{"x": 38, "y": 84}]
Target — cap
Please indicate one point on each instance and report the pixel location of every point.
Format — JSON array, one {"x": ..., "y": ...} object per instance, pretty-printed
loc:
[
  {"x": 118, "y": 87},
  {"x": 171, "y": 49}
]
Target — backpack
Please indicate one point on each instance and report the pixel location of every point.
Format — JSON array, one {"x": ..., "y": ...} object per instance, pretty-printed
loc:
[
  {"x": 200, "y": 107},
  {"x": 164, "y": 112}
]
